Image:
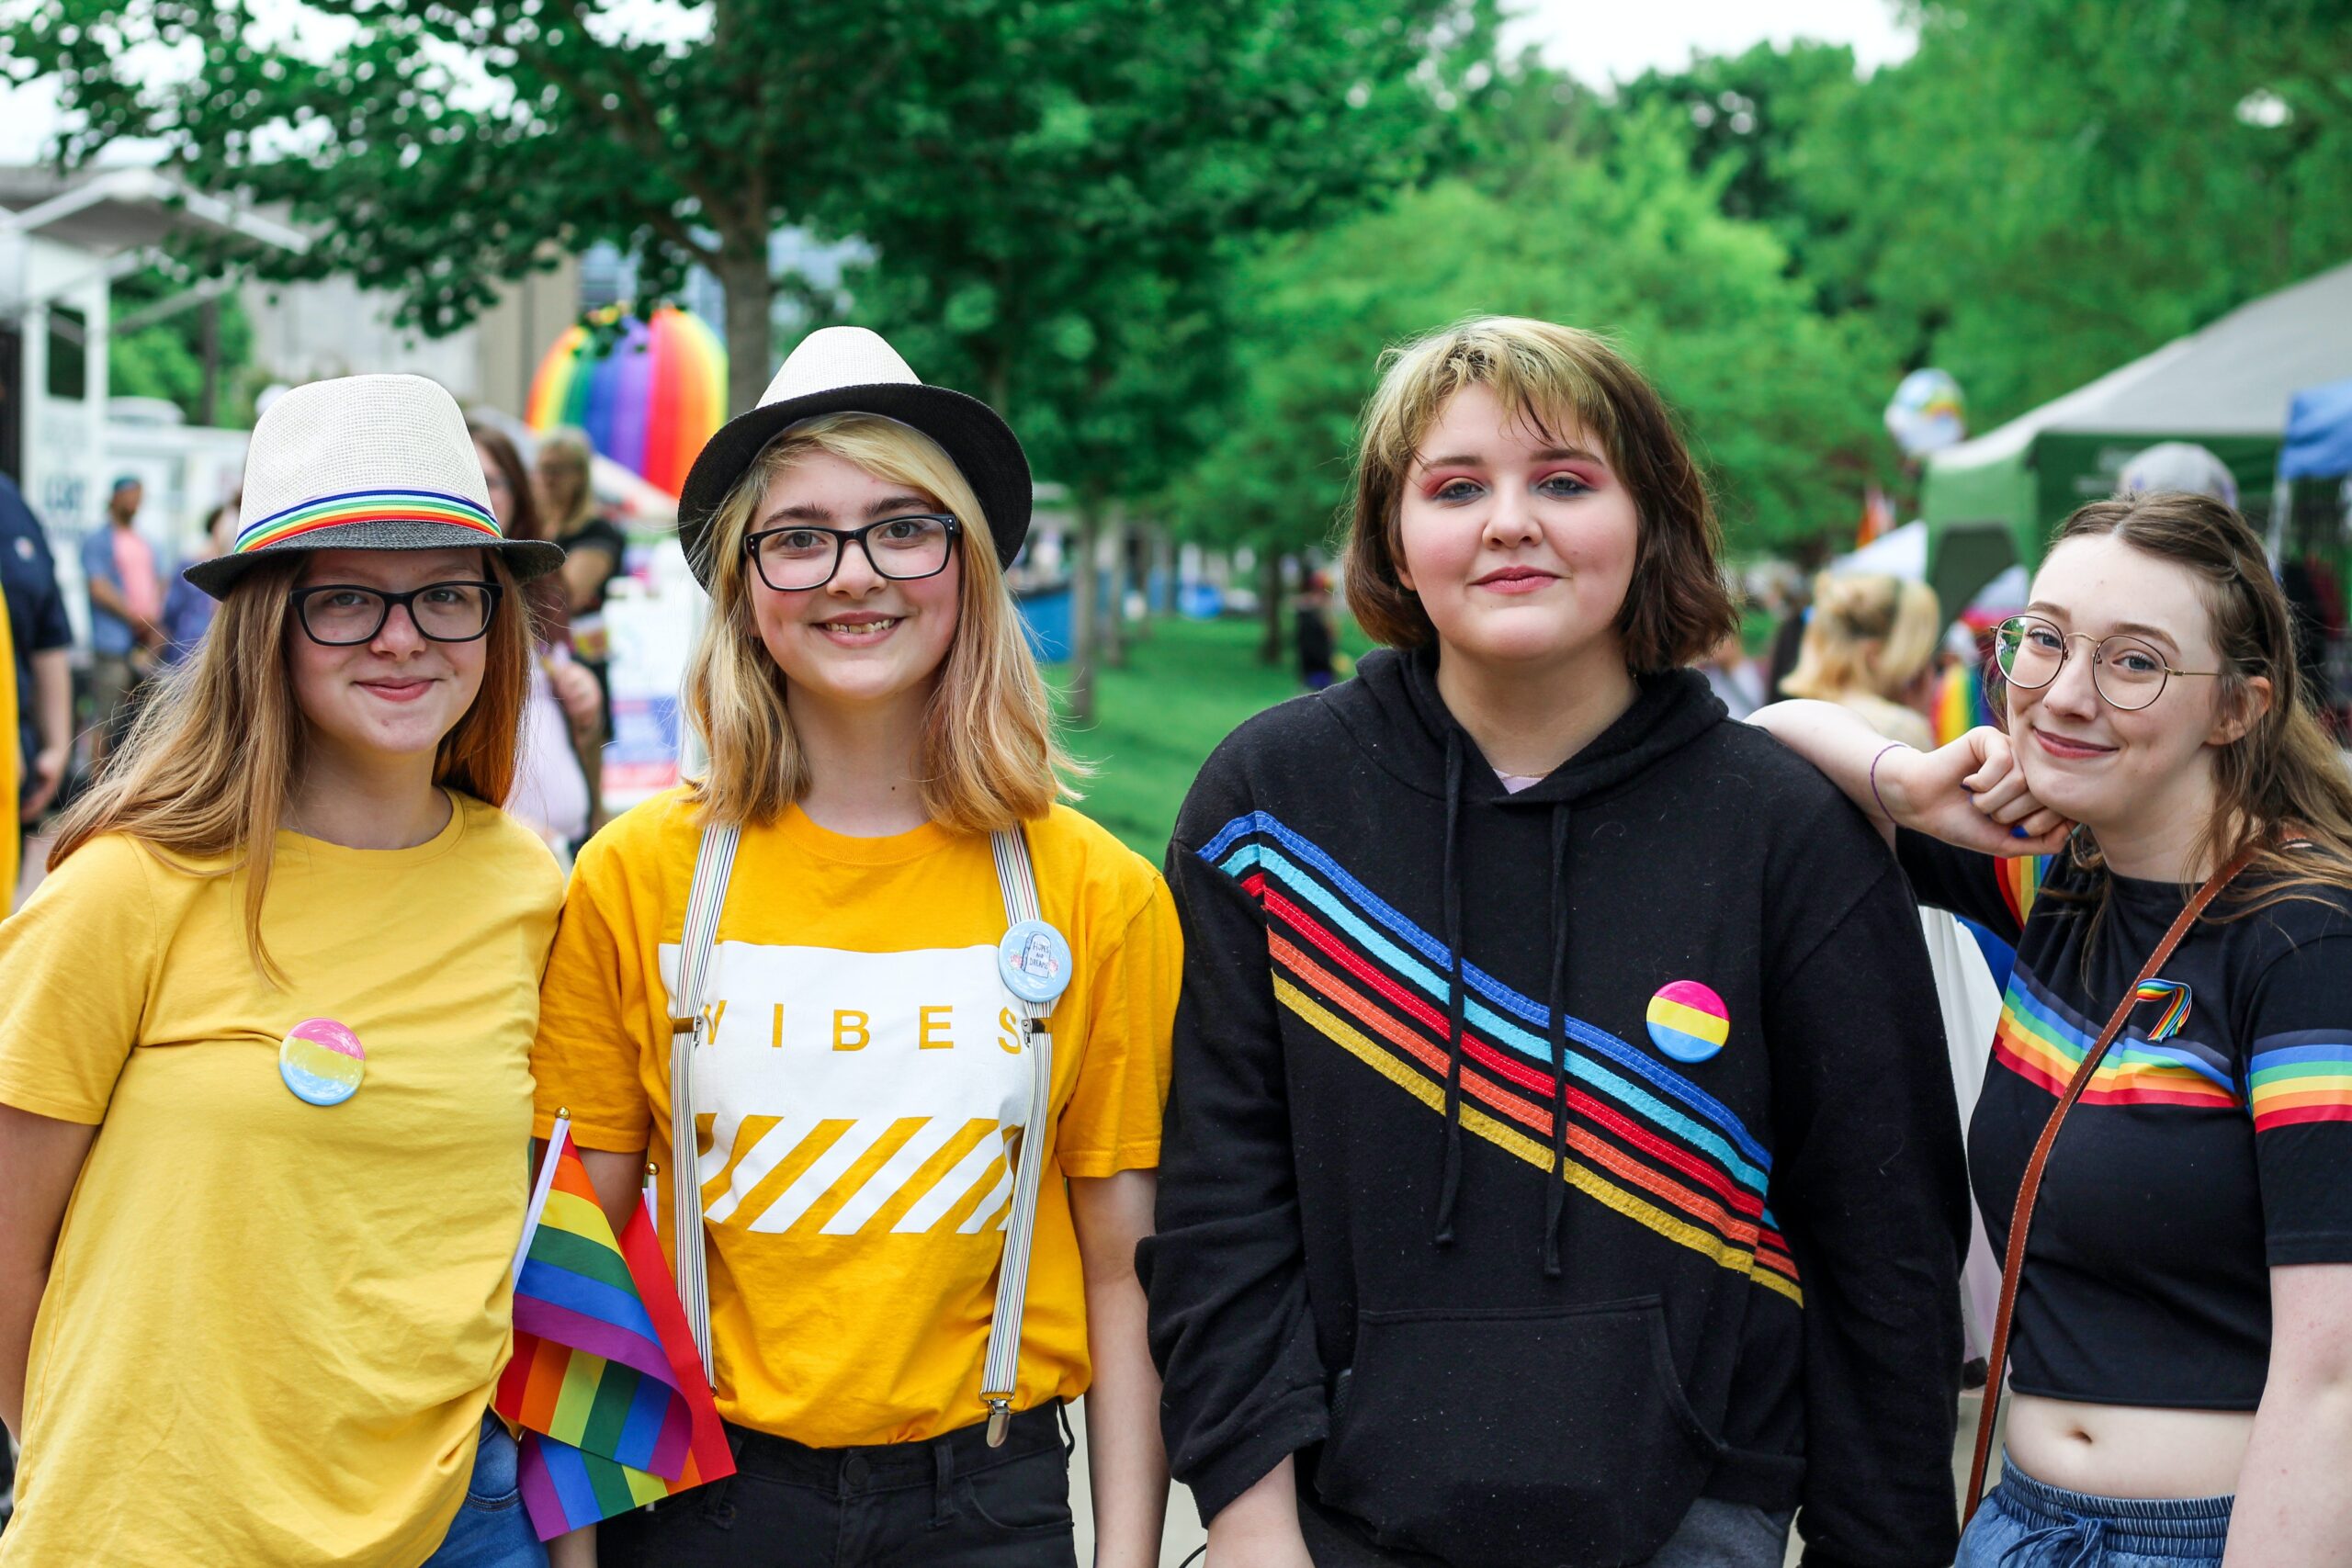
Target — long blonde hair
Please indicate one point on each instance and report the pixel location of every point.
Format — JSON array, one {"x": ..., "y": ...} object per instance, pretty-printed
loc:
[
  {"x": 989, "y": 756},
  {"x": 212, "y": 757},
  {"x": 572, "y": 449},
  {"x": 1868, "y": 633}
]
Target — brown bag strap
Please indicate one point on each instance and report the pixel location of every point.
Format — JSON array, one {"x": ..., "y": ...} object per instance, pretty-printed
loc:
[{"x": 2021, "y": 1217}]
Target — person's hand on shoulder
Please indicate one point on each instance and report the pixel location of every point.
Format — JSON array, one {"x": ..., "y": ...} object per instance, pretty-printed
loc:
[{"x": 1973, "y": 794}]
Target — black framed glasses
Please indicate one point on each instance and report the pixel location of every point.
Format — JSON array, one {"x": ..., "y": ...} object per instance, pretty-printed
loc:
[
  {"x": 904, "y": 549},
  {"x": 2130, "y": 672},
  {"x": 344, "y": 614}
]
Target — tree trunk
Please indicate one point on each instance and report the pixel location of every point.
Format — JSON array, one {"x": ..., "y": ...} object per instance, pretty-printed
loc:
[
  {"x": 1087, "y": 516},
  {"x": 1163, "y": 567},
  {"x": 751, "y": 297},
  {"x": 1142, "y": 552},
  {"x": 1114, "y": 595},
  {"x": 1269, "y": 650}
]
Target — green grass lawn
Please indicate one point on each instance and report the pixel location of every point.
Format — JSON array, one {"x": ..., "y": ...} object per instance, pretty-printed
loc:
[{"x": 1185, "y": 688}]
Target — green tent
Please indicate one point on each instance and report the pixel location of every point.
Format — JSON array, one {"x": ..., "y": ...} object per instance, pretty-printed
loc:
[{"x": 2225, "y": 387}]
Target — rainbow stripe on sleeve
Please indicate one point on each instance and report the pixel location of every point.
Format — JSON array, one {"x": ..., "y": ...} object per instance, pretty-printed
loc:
[
  {"x": 364, "y": 506},
  {"x": 2043, "y": 1041},
  {"x": 2299, "y": 1077}
]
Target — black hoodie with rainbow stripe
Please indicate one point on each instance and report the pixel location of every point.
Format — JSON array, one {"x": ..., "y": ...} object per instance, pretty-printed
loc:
[{"x": 1539, "y": 1163}]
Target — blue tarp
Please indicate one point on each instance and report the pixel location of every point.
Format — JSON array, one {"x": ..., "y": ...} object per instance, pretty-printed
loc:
[{"x": 2319, "y": 434}]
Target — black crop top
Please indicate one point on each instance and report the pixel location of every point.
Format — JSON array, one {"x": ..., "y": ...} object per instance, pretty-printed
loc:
[{"x": 2214, "y": 1144}]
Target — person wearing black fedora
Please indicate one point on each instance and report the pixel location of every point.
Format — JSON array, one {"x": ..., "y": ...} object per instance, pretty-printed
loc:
[
  {"x": 903, "y": 1015},
  {"x": 263, "y": 1043}
]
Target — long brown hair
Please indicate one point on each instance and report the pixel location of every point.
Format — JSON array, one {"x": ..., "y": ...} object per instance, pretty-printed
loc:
[
  {"x": 551, "y": 610},
  {"x": 990, "y": 758},
  {"x": 2282, "y": 782},
  {"x": 212, "y": 757},
  {"x": 1678, "y": 607}
]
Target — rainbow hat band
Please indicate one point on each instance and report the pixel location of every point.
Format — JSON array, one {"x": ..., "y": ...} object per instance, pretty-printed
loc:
[
  {"x": 1688, "y": 1021},
  {"x": 365, "y": 463},
  {"x": 367, "y": 506}
]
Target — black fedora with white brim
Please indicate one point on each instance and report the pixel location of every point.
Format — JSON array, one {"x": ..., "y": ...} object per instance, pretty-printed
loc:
[
  {"x": 365, "y": 463},
  {"x": 852, "y": 370}
]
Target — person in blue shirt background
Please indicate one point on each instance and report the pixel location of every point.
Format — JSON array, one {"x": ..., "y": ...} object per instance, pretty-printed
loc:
[
  {"x": 187, "y": 609},
  {"x": 126, "y": 610}
]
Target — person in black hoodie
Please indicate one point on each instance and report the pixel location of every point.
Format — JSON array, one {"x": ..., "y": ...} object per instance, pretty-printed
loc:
[{"x": 1560, "y": 1166}]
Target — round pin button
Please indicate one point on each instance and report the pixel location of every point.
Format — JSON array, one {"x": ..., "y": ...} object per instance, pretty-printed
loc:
[
  {"x": 322, "y": 1062},
  {"x": 1034, "y": 962},
  {"x": 1688, "y": 1021}
]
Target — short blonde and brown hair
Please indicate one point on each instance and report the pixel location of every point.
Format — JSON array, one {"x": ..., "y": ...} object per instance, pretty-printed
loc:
[
  {"x": 1676, "y": 608},
  {"x": 989, "y": 756}
]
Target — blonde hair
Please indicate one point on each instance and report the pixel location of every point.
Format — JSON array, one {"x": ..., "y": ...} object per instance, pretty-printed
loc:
[
  {"x": 571, "y": 448},
  {"x": 212, "y": 757},
  {"x": 1678, "y": 607},
  {"x": 990, "y": 757},
  {"x": 1868, "y": 633}
]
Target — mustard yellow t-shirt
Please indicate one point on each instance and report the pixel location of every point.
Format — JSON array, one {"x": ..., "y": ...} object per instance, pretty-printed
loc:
[
  {"x": 271, "y": 1327},
  {"x": 862, "y": 1078},
  {"x": 11, "y": 762}
]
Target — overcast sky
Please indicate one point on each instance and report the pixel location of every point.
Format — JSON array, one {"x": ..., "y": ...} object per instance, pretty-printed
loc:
[{"x": 1599, "y": 41}]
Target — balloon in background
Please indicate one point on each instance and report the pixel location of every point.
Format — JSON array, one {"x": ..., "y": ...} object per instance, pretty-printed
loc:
[
  {"x": 2178, "y": 465},
  {"x": 649, "y": 398},
  {"x": 1927, "y": 413}
]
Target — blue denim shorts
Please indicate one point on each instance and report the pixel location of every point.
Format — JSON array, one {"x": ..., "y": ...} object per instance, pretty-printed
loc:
[
  {"x": 492, "y": 1528},
  {"x": 2026, "y": 1523}
]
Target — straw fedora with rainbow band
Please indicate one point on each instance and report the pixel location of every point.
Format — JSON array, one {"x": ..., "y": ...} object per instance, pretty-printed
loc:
[{"x": 365, "y": 463}]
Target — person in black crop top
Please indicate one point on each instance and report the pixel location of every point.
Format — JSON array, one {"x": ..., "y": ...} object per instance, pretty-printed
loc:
[{"x": 2179, "y": 1356}]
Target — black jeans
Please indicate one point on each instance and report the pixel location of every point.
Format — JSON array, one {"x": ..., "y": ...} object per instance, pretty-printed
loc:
[{"x": 953, "y": 1502}]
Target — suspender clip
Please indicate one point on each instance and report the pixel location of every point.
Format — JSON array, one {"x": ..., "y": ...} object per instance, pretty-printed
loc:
[{"x": 999, "y": 1417}]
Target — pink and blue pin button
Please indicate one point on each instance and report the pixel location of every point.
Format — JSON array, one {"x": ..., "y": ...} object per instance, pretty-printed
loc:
[
  {"x": 1688, "y": 1021},
  {"x": 322, "y": 1062}
]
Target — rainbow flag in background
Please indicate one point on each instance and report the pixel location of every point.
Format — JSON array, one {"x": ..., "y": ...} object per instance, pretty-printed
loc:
[
  {"x": 1960, "y": 703},
  {"x": 604, "y": 1377}
]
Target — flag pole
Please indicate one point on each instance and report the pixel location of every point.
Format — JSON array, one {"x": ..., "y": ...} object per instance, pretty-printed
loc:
[{"x": 540, "y": 1192}]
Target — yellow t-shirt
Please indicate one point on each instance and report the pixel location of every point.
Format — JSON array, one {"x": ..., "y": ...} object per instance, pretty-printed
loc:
[
  {"x": 11, "y": 762},
  {"x": 271, "y": 1327},
  {"x": 863, "y": 1075}
]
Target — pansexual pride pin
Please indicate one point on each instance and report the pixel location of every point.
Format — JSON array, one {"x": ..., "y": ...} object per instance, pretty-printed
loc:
[
  {"x": 322, "y": 1062},
  {"x": 1688, "y": 1021}
]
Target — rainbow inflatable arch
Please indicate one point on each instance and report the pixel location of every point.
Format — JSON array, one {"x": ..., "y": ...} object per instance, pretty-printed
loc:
[{"x": 648, "y": 402}]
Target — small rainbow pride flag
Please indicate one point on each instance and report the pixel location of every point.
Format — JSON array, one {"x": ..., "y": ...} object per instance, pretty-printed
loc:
[
  {"x": 604, "y": 1378},
  {"x": 2174, "y": 996}
]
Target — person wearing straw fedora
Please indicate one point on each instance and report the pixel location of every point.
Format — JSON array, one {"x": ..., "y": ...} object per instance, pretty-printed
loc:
[
  {"x": 902, "y": 1015},
  {"x": 265, "y": 1033},
  {"x": 2163, "y": 1148}
]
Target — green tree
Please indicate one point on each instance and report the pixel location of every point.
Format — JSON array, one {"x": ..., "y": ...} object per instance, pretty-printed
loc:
[
  {"x": 2050, "y": 187},
  {"x": 1748, "y": 114},
  {"x": 441, "y": 145},
  {"x": 166, "y": 358},
  {"x": 1068, "y": 248},
  {"x": 1778, "y": 399}
]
